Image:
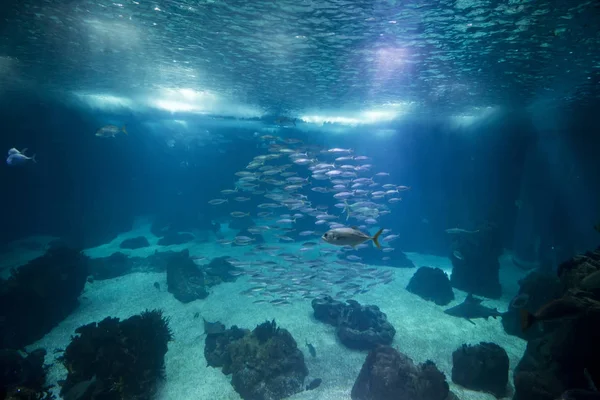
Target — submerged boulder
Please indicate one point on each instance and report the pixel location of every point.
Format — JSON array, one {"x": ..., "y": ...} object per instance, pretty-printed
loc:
[
  {"x": 265, "y": 364},
  {"x": 40, "y": 294},
  {"x": 431, "y": 284},
  {"x": 115, "y": 359},
  {"x": 358, "y": 327},
  {"x": 388, "y": 374},
  {"x": 175, "y": 238},
  {"x": 184, "y": 280},
  {"x": 483, "y": 367},
  {"x": 220, "y": 270},
  {"x": 134, "y": 243}
]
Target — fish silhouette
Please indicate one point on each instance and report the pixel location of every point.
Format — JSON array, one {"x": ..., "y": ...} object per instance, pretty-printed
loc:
[{"x": 471, "y": 308}]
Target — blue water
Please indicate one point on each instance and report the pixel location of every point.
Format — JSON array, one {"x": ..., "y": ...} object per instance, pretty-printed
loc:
[{"x": 473, "y": 113}]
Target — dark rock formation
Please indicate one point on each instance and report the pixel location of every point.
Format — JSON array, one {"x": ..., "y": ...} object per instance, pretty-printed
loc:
[
  {"x": 175, "y": 238},
  {"x": 134, "y": 243},
  {"x": 536, "y": 289},
  {"x": 125, "y": 357},
  {"x": 388, "y": 374},
  {"x": 476, "y": 268},
  {"x": 373, "y": 256},
  {"x": 483, "y": 367},
  {"x": 265, "y": 364},
  {"x": 40, "y": 294},
  {"x": 220, "y": 270},
  {"x": 431, "y": 284},
  {"x": 23, "y": 377},
  {"x": 184, "y": 279},
  {"x": 118, "y": 264},
  {"x": 358, "y": 327},
  {"x": 567, "y": 356}
]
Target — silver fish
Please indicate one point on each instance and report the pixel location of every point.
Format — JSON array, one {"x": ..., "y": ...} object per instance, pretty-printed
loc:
[{"x": 349, "y": 237}]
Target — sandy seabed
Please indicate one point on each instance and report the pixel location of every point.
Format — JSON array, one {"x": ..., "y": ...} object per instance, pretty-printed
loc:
[{"x": 423, "y": 331}]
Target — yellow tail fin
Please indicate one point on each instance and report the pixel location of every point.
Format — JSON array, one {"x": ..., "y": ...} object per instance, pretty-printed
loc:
[
  {"x": 376, "y": 238},
  {"x": 124, "y": 129}
]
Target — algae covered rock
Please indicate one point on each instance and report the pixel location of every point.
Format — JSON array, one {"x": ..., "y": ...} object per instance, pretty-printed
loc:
[
  {"x": 358, "y": 327},
  {"x": 116, "y": 360},
  {"x": 431, "y": 284},
  {"x": 388, "y": 374},
  {"x": 184, "y": 279},
  {"x": 483, "y": 367},
  {"x": 265, "y": 364},
  {"x": 40, "y": 294}
]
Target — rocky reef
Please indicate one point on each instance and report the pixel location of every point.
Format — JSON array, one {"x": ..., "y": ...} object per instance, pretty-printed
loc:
[
  {"x": 40, "y": 294},
  {"x": 388, "y": 374},
  {"x": 474, "y": 256},
  {"x": 565, "y": 357},
  {"x": 23, "y": 377},
  {"x": 483, "y": 367},
  {"x": 134, "y": 243},
  {"x": 431, "y": 284},
  {"x": 116, "y": 360},
  {"x": 265, "y": 364},
  {"x": 184, "y": 280},
  {"x": 358, "y": 327}
]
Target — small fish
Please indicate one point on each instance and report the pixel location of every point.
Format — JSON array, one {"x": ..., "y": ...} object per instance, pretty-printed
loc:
[
  {"x": 109, "y": 131},
  {"x": 349, "y": 237},
  {"x": 216, "y": 202},
  {"x": 454, "y": 231},
  {"x": 239, "y": 214},
  {"x": 457, "y": 254},
  {"x": 311, "y": 349},
  {"x": 16, "y": 157},
  {"x": 157, "y": 285}
]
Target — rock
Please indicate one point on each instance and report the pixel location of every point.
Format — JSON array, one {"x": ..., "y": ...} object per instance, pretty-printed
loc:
[
  {"x": 125, "y": 357},
  {"x": 184, "y": 279},
  {"x": 23, "y": 377},
  {"x": 483, "y": 367},
  {"x": 476, "y": 271},
  {"x": 134, "y": 243},
  {"x": 387, "y": 374},
  {"x": 431, "y": 284},
  {"x": 358, "y": 327},
  {"x": 572, "y": 272},
  {"x": 175, "y": 238},
  {"x": 40, "y": 294},
  {"x": 539, "y": 288},
  {"x": 265, "y": 364},
  {"x": 117, "y": 264},
  {"x": 220, "y": 270}
]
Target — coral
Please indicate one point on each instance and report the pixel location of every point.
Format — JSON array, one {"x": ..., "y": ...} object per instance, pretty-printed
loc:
[
  {"x": 388, "y": 374},
  {"x": 483, "y": 367},
  {"x": 40, "y": 294},
  {"x": 431, "y": 284},
  {"x": 358, "y": 327},
  {"x": 125, "y": 357},
  {"x": 265, "y": 364}
]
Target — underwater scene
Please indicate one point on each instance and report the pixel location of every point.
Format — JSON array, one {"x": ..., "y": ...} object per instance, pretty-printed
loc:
[{"x": 300, "y": 199}]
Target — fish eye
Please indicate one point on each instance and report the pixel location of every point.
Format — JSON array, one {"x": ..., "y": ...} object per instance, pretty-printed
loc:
[{"x": 325, "y": 235}]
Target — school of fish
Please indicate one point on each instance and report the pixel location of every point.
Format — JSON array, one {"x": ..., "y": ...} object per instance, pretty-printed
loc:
[{"x": 287, "y": 184}]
